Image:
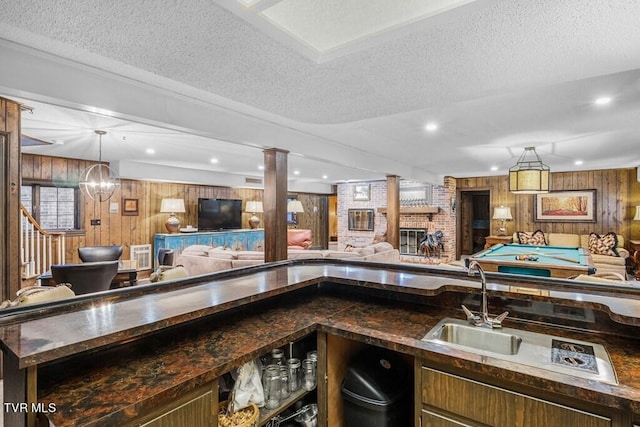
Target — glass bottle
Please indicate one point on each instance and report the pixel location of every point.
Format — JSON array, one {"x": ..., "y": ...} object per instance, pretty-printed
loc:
[
  {"x": 285, "y": 384},
  {"x": 308, "y": 375},
  {"x": 295, "y": 374},
  {"x": 313, "y": 355},
  {"x": 277, "y": 357},
  {"x": 272, "y": 386}
]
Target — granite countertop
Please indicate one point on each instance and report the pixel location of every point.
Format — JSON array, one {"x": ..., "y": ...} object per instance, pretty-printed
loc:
[
  {"x": 105, "y": 322},
  {"x": 226, "y": 322},
  {"x": 124, "y": 383}
]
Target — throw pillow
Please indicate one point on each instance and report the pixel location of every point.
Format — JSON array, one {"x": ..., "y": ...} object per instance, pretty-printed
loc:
[
  {"x": 603, "y": 245},
  {"x": 536, "y": 238}
]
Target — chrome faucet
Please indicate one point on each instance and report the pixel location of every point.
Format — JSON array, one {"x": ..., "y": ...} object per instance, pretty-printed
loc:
[{"x": 485, "y": 321}]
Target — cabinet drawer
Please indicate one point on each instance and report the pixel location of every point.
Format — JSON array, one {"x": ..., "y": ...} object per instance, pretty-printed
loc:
[
  {"x": 435, "y": 419},
  {"x": 498, "y": 407}
]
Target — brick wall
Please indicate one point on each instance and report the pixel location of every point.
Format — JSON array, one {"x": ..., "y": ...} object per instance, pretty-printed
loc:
[
  {"x": 377, "y": 199},
  {"x": 444, "y": 220}
]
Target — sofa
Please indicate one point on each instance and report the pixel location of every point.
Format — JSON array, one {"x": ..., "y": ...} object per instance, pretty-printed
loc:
[
  {"x": 299, "y": 238},
  {"x": 603, "y": 263},
  {"x": 202, "y": 259}
]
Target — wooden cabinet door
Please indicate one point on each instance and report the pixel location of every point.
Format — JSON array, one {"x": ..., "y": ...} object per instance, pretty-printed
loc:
[
  {"x": 197, "y": 408},
  {"x": 444, "y": 393}
]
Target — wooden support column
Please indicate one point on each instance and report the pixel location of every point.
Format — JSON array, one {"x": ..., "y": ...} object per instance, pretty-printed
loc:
[
  {"x": 10, "y": 163},
  {"x": 393, "y": 210},
  {"x": 275, "y": 204}
]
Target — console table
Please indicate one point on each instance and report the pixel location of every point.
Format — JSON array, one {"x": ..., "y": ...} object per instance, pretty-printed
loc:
[
  {"x": 494, "y": 240},
  {"x": 244, "y": 240}
]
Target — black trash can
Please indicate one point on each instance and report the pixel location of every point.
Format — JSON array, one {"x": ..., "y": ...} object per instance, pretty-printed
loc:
[{"x": 376, "y": 390}]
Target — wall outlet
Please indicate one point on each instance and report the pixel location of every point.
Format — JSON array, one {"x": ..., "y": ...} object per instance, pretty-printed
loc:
[{"x": 95, "y": 222}]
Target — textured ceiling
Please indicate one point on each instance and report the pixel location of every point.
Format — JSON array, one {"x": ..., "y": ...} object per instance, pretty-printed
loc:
[{"x": 497, "y": 77}]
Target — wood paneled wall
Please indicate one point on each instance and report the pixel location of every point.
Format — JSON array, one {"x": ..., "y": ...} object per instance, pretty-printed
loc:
[
  {"x": 617, "y": 194},
  {"x": 116, "y": 229}
]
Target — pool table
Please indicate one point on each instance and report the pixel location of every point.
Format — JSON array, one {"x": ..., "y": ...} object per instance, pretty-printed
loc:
[{"x": 544, "y": 261}]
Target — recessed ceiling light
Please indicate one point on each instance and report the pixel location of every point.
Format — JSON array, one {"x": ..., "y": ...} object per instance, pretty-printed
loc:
[
  {"x": 324, "y": 177},
  {"x": 296, "y": 172},
  {"x": 150, "y": 151},
  {"x": 603, "y": 100},
  {"x": 214, "y": 160},
  {"x": 494, "y": 168},
  {"x": 578, "y": 162},
  {"x": 260, "y": 167},
  {"x": 431, "y": 127}
]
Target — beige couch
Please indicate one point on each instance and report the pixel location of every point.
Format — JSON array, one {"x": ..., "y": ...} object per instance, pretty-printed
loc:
[
  {"x": 602, "y": 263},
  {"x": 201, "y": 259}
]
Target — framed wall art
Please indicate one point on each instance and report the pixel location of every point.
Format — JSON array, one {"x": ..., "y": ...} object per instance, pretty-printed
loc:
[
  {"x": 362, "y": 192},
  {"x": 565, "y": 206},
  {"x": 129, "y": 207}
]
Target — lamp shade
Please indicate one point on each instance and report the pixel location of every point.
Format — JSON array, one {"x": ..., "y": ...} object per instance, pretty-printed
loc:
[
  {"x": 529, "y": 175},
  {"x": 254, "y": 207},
  {"x": 172, "y": 206},
  {"x": 295, "y": 206},
  {"x": 637, "y": 217},
  {"x": 502, "y": 213}
]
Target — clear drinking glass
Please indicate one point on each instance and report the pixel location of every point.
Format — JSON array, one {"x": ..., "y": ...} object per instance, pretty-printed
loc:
[{"x": 308, "y": 374}]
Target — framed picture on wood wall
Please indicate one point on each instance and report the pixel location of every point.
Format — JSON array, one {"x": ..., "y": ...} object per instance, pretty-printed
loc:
[
  {"x": 566, "y": 206},
  {"x": 129, "y": 207}
]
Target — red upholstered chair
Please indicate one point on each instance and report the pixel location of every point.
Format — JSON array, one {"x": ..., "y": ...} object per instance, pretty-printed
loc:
[{"x": 299, "y": 239}]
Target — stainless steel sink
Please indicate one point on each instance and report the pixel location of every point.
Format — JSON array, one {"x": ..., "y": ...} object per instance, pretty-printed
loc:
[
  {"x": 479, "y": 338},
  {"x": 572, "y": 357}
]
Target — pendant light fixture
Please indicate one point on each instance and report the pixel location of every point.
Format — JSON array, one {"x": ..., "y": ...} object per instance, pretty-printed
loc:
[
  {"x": 529, "y": 175},
  {"x": 99, "y": 182}
]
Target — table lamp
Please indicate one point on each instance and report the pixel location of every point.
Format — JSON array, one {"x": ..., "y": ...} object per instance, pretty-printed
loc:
[
  {"x": 254, "y": 207},
  {"x": 503, "y": 214},
  {"x": 295, "y": 207},
  {"x": 172, "y": 206}
]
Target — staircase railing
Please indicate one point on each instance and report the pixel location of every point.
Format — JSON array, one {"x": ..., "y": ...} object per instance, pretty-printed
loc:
[{"x": 39, "y": 249}]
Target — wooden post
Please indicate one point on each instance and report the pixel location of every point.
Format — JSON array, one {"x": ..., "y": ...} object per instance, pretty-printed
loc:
[
  {"x": 275, "y": 204},
  {"x": 10, "y": 198},
  {"x": 393, "y": 210}
]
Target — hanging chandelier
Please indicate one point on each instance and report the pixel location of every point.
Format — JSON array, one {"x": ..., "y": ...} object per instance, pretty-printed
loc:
[
  {"x": 98, "y": 181},
  {"x": 529, "y": 175}
]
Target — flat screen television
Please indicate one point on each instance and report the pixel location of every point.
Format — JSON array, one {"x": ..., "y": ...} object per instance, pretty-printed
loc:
[{"x": 219, "y": 214}]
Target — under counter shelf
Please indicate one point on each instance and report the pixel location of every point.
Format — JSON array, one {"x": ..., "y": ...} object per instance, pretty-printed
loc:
[
  {"x": 430, "y": 210},
  {"x": 267, "y": 414}
]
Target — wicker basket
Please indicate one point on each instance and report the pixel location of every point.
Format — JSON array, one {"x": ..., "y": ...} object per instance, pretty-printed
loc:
[{"x": 246, "y": 417}]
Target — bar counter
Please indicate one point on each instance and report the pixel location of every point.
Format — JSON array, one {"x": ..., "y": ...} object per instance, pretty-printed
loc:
[{"x": 107, "y": 359}]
